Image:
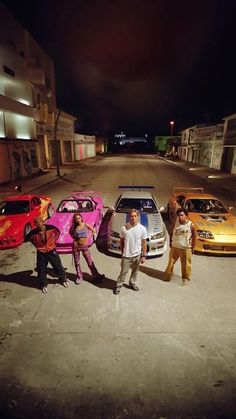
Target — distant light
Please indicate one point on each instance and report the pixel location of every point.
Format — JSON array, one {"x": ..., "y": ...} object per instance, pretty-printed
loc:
[{"x": 172, "y": 122}]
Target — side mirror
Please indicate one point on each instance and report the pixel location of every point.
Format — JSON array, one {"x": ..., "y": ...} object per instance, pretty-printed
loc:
[{"x": 162, "y": 209}]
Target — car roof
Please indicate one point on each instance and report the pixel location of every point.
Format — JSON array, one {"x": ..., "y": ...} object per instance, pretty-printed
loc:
[
  {"x": 192, "y": 195},
  {"x": 137, "y": 194},
  {"x": 20, "y": 197},
  {"x": 76, "y": 198}
]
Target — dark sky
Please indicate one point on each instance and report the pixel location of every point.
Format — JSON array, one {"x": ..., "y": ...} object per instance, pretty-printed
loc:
[{"x": 133, "y": 65}]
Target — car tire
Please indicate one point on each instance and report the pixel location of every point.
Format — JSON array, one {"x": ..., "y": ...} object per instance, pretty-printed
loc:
[
  {"x": 50, "y": 210},
  {"x": 27, "y": 229}
]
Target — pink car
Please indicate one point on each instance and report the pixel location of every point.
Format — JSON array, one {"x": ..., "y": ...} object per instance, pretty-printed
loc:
[{"x": 89, "y": 204}]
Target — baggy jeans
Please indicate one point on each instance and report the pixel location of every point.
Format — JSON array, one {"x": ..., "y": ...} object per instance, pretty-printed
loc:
[
  {"x": 54, "y": 259},
  {"x": 87, "y": 256},
  {"x": 185, "y": 256},
  {"x": 126, "y": 264}
]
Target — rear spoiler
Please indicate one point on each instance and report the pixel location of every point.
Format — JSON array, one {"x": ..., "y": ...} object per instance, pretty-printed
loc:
[
  {"x": 135, "y": 187},
  {"x": 186, "y": 190},
  {"x": 86, "y": 194}
]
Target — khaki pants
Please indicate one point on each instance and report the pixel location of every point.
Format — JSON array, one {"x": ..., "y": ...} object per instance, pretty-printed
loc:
[
  {"x": 185, "y": 258},
  {"x": 127, "y": 263}
]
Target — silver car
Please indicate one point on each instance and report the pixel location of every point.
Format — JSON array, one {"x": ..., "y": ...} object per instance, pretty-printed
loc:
[{"x": 140, "y": 198}]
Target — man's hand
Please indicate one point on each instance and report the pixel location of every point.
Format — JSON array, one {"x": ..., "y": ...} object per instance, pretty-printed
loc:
[{"x": 142, "y": 260}]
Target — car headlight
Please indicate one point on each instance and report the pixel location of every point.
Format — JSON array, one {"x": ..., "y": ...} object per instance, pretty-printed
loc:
[
  {"x": 205, "y": 234},
  {"x": 158, "y": 235},
  {"x": 115, "y": 234}
]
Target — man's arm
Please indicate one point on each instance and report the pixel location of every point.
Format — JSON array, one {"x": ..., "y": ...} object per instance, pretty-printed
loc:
[
  {"x": 29, "y": 235},
  {"x": 194, "y": 234},
  {"x": 122, "y": 245},
  {"x": 144, "y": 250},
  {"x": 56, "y": 231}
]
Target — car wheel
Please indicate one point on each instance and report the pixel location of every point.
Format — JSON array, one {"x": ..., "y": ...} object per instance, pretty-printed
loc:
[
  {"x": 27, "y": 229},
  {"x": 50, "y": 210}
]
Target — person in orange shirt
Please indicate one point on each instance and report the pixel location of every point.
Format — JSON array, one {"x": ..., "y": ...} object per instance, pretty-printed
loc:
[{"x": 44, "y": 238}]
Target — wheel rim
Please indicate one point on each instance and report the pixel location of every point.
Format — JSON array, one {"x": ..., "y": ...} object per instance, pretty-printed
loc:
[
  {"x": 50, "y": 210},
  {"x": 27, "y": 229}
]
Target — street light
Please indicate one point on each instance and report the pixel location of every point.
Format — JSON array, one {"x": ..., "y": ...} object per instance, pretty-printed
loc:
[{"x": 172, "y": 123}]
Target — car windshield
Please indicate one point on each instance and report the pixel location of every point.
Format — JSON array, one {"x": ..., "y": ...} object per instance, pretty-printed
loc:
[
  {"x": 14, "y": 207},
  {"x": 206, "y": 206},
  {"x": 141, "y": 204},
  {"x": 75, "y": 205}
]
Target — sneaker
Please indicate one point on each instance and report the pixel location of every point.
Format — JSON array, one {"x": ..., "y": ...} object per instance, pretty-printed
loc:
[
  {"x": 66, "y": 284},
  {"x": 78, "y": 281},
  {"x": 134, "y": 287},
  {"x": 44, "y": 290},
  {"x": 185, "y": 281},
  {"x": 116, "y": 291}
]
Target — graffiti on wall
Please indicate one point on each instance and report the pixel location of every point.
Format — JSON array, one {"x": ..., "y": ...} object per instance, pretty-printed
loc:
[{"x": 24, "y": 159}]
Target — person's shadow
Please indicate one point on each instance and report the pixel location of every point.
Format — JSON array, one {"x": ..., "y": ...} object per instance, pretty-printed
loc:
[
  {"x": 154, "y": 273},
  {"x": 104, "y": 283},
  {"x": 29, "y": 279},
  {"x": 24, "y": 278}
]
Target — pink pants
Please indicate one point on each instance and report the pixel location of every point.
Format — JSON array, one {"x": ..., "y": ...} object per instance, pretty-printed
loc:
[{"x": 87, "y": 256}]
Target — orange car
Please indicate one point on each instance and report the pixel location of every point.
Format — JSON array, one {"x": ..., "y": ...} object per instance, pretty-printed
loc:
[{"x": 213, "y": 221}]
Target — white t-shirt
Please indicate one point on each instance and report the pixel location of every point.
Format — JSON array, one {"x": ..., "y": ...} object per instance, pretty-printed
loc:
[
  {"x": 182, "y": 235},
  {"x": 133, "y": 237}
]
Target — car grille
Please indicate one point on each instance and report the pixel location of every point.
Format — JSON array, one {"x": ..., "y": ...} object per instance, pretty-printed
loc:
[{"x": 220, "y": 248}]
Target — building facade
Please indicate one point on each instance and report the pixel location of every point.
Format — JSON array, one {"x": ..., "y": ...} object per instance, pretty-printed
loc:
[
  {"x": 30, "y": 131},
  {"x": 228, "y": 163},
  {"x": 202, "y": 144}
]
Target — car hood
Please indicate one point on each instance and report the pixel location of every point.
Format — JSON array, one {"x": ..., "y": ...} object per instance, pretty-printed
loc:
[
  {"x": 217, "y": 223},
  {"x": 9, "y": 224},
  {"x": 152, "y": 222},
  {"x": 63, "y": 222}
]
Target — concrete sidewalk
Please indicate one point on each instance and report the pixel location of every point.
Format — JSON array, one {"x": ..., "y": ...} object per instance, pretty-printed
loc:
[{"x": 226, "y": 181}]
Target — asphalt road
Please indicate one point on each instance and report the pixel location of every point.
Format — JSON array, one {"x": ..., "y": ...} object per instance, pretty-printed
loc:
[{"x": 166, "y": 351}]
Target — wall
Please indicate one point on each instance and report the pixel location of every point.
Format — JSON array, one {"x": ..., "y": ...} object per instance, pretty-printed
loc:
[
  {"x": 17, "y": 159},
  {"x": 85, "y": 146},
  {"x": 233, "y": 170}
]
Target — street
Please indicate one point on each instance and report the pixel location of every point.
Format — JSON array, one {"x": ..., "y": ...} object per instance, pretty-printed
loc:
[{"x": 166, "y": 351}]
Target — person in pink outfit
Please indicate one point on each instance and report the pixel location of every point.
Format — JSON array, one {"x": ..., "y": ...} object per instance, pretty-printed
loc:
[{"x": 80, "y": 233}]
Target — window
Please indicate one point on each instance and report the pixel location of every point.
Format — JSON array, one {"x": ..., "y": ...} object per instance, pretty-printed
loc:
[{"x": 8, "y": 71}]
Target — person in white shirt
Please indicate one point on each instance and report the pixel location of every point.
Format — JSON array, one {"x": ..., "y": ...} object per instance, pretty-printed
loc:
[
  {"x": 133, "y": 249},
  {"x": 182, "y": 242}
]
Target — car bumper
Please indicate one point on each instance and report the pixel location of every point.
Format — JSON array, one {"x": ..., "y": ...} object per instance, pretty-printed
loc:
[
  {"x": 154, "y": 247},
  {"x": 216, "y": 246},
  {"x": 7, "y": 244}
]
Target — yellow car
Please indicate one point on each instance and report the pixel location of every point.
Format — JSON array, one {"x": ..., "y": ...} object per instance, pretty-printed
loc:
[{"x": 213, "y": 221}]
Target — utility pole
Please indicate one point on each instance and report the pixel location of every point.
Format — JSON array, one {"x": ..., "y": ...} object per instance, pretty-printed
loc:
[{"x": 56, "y": 143}]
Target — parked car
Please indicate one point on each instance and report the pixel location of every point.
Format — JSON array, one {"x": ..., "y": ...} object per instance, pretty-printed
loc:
[
  {"x": 89, "y": 204},
  {"x": 140, "y": 198},
  {"x": 214, "y": 223},
  {"x": 17, "y": 215}
]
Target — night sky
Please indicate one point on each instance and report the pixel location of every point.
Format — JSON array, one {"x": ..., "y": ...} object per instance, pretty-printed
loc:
[{"x": 134, "y": 65}]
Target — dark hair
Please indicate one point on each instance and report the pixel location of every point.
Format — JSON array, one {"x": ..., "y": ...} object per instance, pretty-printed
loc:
[
  {"x": 74, "y": 224},
  {"x": 179, "y": 210}
]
